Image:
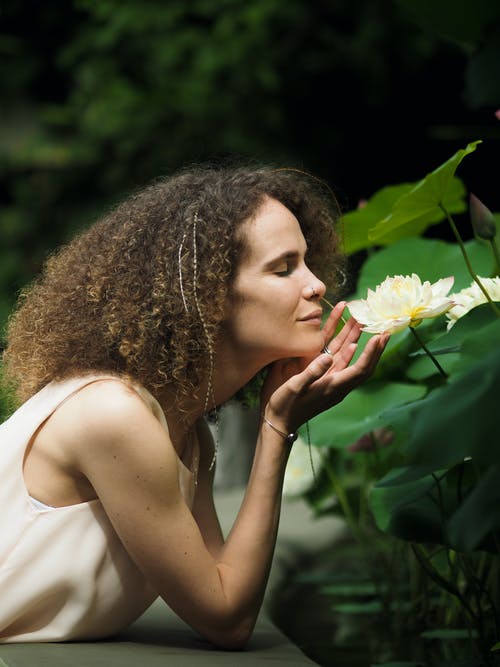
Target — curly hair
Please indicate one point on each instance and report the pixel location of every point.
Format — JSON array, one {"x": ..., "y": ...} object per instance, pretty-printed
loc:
[{"x": 142, "y": 292}]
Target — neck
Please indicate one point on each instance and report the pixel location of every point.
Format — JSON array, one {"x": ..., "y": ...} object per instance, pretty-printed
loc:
[{"x": 231, "y": 373}]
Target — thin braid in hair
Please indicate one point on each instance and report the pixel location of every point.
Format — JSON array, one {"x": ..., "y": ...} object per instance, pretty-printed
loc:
[
  {"x": 210, "y": 386},
  {"x": 181, "y": 284}
]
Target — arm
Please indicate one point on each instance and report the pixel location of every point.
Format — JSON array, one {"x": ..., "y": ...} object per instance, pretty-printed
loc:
[
  {"x": 290, "y": 397},
  {"x": 216, "y": 587},
  {"x": 130, "y": 461},
  {"x": 203, "y": 509},
  {"x": 244, "y": 559}
]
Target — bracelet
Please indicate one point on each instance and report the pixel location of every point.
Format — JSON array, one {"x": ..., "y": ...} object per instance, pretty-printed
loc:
[{"x": 290, "y": 438}]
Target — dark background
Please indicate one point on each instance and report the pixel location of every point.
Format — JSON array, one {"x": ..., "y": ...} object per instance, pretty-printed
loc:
[{"x": 99, "y": 97}]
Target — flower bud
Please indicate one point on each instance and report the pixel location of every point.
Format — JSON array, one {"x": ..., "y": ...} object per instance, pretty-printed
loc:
[{"x": 482, "y": 219}]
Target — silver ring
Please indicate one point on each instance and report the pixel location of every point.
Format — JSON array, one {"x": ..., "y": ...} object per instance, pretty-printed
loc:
[
  {"x": 313, "y": 291},
  {"x": 326, "y": 350}
]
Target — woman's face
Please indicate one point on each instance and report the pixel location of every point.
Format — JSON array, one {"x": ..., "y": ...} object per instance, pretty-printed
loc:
[{"x": 276, "y": 309}]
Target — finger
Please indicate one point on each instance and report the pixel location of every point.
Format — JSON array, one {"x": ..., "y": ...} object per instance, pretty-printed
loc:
[
  {"x": 313, "y": 372},
  {"x": 352, "y": 332},
  {"x": 343, "y": 357},
  {"x": 349, "y": 334},
  {"x": 369, "y": 358},
  {"x": 351, "y": 376},
  {"x": 333, "y": 320}
]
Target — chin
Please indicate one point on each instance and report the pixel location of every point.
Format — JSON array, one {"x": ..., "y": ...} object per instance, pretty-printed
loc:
[
  {"x": 310, "y": 350},
  {"x": 316, "y": 345}
]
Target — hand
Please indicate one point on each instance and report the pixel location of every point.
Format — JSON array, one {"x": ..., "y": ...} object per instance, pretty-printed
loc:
[{"x": 298, "y": 389}]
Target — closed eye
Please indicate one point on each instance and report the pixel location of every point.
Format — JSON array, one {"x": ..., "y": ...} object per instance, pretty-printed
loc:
[
  {"x": 285, "y": 264},
  {"x": 287, "y": 271}
]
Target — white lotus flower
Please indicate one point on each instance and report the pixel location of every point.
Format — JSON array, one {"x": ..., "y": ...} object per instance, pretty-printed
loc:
[
  {"x": 400, "y": 302},
  {"x": 472, "y": 296},
  {"x": 299, "y": 476}
]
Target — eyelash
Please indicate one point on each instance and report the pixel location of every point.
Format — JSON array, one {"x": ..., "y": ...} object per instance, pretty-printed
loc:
[{"x": 287, "y": 271}]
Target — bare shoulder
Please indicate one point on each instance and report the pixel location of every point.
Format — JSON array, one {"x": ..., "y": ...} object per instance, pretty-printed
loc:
[
  {"x": 106, "y": 415},
  {"x": 104, "y": 404}
]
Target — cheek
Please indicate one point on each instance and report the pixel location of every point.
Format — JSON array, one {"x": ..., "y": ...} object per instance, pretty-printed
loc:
[
  {"x": 256, "y": 321},
  {"x": 253, "y": 313},
  {"x": 271, "y": 300}
]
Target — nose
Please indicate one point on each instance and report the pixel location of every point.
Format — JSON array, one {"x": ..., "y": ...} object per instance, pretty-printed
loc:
[{"x": 315, "y": 289}]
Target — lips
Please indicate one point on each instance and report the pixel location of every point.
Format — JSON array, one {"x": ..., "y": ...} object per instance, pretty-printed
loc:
[{"x": 315, "y": 315}]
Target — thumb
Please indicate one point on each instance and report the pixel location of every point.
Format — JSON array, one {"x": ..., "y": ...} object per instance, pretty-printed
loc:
[{"x": 312, "y": 372}]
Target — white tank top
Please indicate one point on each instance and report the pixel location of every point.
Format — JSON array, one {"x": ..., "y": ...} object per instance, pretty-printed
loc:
[{"x": 64, "y": 573}]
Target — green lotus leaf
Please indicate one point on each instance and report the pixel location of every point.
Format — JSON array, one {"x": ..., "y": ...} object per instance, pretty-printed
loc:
[
  {"x": 425, "y": 198},
  {"x": 455, "y": 421},
  {"x": 431, "y": 259},
  {"x": 360, "y": 412}
]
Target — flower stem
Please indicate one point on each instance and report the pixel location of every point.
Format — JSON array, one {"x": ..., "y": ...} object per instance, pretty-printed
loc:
[
  {"x": 467, "y": 261},
  {"x": 428, "y": 352},
  {"x": 344, "y": 321}
]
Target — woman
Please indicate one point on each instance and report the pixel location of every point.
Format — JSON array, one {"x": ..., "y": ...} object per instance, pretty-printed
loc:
[{"x": 159, "y": 312}]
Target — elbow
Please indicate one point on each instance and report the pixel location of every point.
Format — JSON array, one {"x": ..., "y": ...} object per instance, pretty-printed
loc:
[{"x": 234, "y": 636}]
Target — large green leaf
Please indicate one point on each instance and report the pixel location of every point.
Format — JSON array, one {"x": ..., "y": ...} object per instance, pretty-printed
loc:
[
  {"x": 423, "y": 368},
  {"x": 355, "y": 225},
  {"x": 459, "y": 508},
  {"x": 431, "y": 259},
  {"x": 478, "y": 515},
  {"x": 360, "y": 412},
  {"x": 471, "y": 326},
  {"x": 453, "y": 422},
  {"x": 454, "y": 202},
  {"x": 459, "y": 349},
  {"x": 407, "y": 510},
  {"x": 477, "y": 345},
  {"x": 425, "y": 198}
]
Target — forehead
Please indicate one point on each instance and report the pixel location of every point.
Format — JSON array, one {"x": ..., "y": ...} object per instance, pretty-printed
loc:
[{"x": 271, "y": 231}]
